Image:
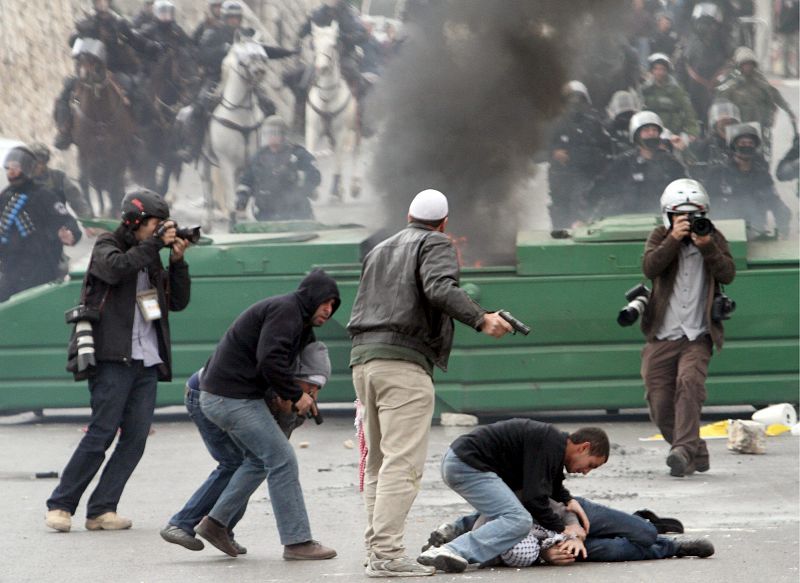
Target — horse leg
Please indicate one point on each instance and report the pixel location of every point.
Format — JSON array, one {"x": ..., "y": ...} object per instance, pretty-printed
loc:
[
  {"x": 90, "y": 195},
  {"x": 355, "y": 169}
]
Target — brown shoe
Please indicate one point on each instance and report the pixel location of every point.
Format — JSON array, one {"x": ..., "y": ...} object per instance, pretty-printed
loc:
[
  {"x": 217, "y": 535},
  {"x": 307, "y": 551},
  {"x": 59, "y": 520},
  {"x": 108, "y": 521}
]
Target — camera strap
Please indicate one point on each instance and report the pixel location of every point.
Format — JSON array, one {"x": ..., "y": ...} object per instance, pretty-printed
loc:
[{"x": 85, "y": 288}]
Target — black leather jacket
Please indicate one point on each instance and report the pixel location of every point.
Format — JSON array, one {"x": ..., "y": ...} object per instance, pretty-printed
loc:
[
  {"x": 114, "y": 269},
  {"x": 409, "y": 294}
]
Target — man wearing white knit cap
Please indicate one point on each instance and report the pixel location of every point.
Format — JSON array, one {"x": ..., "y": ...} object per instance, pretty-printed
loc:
[{"x": 401, "y": 326}]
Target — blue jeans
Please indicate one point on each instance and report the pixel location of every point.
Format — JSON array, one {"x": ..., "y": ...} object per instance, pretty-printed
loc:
[
  {"x": 251, "y": 426},
  {"x": 489, "y": 495},
  {"x": 618, "y": 536},
  {"x": 123, "y": 397},
  {"x": 229, "y": 457}
]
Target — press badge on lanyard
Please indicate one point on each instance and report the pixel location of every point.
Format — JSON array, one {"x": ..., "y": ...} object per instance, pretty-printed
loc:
[{"x": 148, "y": 304}]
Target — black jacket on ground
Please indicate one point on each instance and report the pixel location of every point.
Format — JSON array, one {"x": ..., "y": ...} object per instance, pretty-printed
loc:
[
  {"x": 528, "y": 456},
  {"x": 113, "y": 273},
  {"x": 258, "y": 352},
  {"x": 408, "y": 295}
]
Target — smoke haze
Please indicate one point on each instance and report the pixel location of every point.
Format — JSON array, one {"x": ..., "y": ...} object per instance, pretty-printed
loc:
[{"x": 467, "y": 103}]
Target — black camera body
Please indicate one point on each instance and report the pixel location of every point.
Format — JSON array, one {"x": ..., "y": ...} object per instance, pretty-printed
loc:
[
  {"x": 190, "y": 234},
  {"x": 722, "y": 307},
  {"x": 82, "y": 312},
  {"x": 637, "y": 297}
]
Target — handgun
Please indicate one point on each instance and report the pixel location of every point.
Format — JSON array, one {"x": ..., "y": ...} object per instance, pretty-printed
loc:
[{"x": 517, "y": 325}]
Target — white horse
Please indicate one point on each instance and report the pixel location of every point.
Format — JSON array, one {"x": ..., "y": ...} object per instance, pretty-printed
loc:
[
  {"x": 331, "y": 108},
  {"x": 233, "y": 136}
]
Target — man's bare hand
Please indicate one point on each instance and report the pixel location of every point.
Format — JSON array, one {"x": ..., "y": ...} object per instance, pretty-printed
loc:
[
  {"x": 701, "y": 241},
  {"x": 575, "y": 547},
  {"x": 575, "y": 530},
  {"x": 680, "y": 227},
  {"x": 66, "y": 236},
  {"x": 575, "y": 507},
  {"x": 495, "y": 326},
  {"x": 557, "y": 555},
  {"x": 561, "y": 156},
  {"x": 304, "y": 404},
  {"x": 179, "y": 247}
]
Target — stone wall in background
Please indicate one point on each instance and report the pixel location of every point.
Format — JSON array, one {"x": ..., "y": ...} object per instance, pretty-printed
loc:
[{"x": 35, "y": 57}]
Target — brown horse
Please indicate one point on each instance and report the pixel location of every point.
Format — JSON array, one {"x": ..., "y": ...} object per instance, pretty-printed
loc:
[
  {"x": 172, "y": 83},
  {"x": 103, "y": 130}
]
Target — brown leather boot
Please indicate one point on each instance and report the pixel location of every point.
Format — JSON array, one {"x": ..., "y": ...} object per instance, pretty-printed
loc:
[
  {"x": 217, "y": 535},
  {"x": 307, "y": 551}
]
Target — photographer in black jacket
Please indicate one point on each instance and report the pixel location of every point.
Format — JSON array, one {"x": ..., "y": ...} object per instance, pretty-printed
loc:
[{"x": 133, "y": 292}]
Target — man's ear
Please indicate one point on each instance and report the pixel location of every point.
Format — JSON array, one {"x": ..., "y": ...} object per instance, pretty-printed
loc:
[{"x": 583, "y": 448}]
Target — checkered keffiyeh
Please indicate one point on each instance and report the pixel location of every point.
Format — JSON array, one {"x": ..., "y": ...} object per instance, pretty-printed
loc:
[{"x": 527, "y": 551}]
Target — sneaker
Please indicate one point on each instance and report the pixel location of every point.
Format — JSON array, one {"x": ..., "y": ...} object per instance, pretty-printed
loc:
[
  {"x": 239, "y": 548},
  {"x": 108, "y": 521},
  {"x": 178, "y": 536},
  {"x": 443, "y": 534},
  {"x": 59, "y": 520},
  {"x": 217, "y": 535},
  {"x": 678, "y": 463},
  {"x": 693, "y": 547},
  {"x": 443, "y": 559},
  {"x": 307, "y": 551},
  {"x": 399, "y": 567}
]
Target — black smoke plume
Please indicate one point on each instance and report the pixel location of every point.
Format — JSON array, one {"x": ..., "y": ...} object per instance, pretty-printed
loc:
[{"x": 467, "y": 103}]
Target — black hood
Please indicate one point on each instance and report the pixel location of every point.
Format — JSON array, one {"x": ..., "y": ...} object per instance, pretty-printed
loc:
[{"x": 316, "y": 288}]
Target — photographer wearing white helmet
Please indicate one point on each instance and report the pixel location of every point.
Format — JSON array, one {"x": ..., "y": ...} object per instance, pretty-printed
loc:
[{"x": 686, "y": 259}]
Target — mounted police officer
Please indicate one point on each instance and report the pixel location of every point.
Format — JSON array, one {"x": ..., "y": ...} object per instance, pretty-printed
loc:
[
  {"x": 663, "y": 95},
  {"x": 164, "y": 30},
  {"x": 122, "y": 48},
  {"x": 633, "y": 182},
  {"x": 280, "y": 178},
  {"x": 621, "y": 108},
  {"x": 579, "y": 151},
  {"x": 213, "y": 47},
  {"x": 145, "y": 15},
  {"x": 34, "y": 227},
  {"x": 755, "y": 97},
  {"x": 744, "y": 187}
]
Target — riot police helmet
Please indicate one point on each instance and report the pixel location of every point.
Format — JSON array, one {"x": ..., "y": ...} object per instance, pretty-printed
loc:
[
  {"x": 641, "y": 119},
  {"x": 744, "y": 55},
  {"x": 622, "y": 102},
  {"x": 141, "y": 204},
  {"x": 232, "y": 8},
  {"x": 41, "y": 151},
  {"x": 22, "y": 159},
  {"x": 723, "y": 110},
  {"x": 707, "y": 10},
  {"x": 576, "y": 87},
  {"x": 164, "y": 11},
  {"x": 659, "y": 59},
  {"x": 736, "y": 132},
  {"x": 91, "y": 47},
  {"x": 683, "y": 196}
]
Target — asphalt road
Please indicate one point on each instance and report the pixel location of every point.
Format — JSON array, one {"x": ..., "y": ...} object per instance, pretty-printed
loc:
[{"x": 746, "y": 505}]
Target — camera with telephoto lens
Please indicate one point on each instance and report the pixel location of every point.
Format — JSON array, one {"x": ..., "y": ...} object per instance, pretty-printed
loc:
[
  {"x": 637, "y": 297},
  {"x": 700, "y": 226},
  {"x": 722, "y": 307},
  {"x": 190, "y": 234},
  {"x": 83, "y": 317}
]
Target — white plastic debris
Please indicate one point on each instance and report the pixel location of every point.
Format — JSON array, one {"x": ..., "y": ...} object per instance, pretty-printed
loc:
[{"x": 781, "y": 414}]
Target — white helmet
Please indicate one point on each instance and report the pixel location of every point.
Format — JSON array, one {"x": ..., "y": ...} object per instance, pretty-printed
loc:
[
  {"x": 622, "y": 102},
  {"x": 723, "y": 109},
  {"x": 576, "y": 87},
  {"x": 708, "y": 10},
  {"x": 683, "y": 195},
  {"x": 89, "y": 46},
  {"x": 659, "y": 59},
  {"x": 641, "y": 119},
  {"x": 744, "y": 55}
]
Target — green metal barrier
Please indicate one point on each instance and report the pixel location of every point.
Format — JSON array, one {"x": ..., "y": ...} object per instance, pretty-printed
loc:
[{"x": 568, "y": 290}]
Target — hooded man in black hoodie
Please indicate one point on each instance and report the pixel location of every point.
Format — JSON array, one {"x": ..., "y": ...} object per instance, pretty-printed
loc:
[{"x": 254, "y": 360}]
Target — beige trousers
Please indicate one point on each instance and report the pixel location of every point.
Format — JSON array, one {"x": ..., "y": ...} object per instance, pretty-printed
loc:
[{"x": 398, "y": 406}]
